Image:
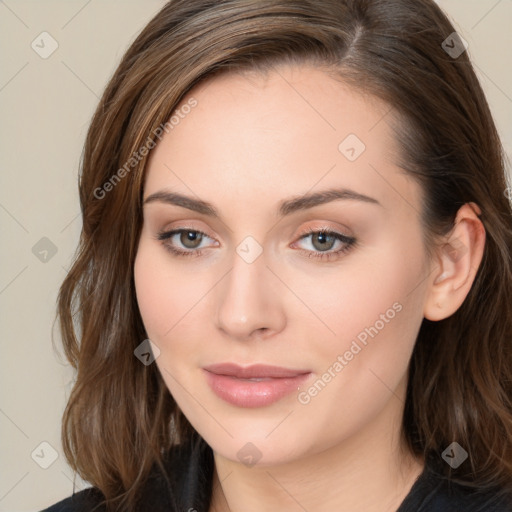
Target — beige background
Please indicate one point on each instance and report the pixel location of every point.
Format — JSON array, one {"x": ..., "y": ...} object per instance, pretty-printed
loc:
[{"x": 46, "y": 105}]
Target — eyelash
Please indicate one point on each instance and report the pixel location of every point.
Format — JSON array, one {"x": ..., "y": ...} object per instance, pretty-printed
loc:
[{"x": 348, "y": 243}]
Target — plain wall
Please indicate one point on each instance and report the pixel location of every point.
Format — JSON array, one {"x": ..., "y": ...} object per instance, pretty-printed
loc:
[{"x": 46, "y": 106}]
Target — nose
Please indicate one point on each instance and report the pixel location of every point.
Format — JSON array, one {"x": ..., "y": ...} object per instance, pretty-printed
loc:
[{"x": 248, "y": 301}]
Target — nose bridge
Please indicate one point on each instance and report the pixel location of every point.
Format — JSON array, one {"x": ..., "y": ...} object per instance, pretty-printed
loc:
[{"x": 247, "y": 300}]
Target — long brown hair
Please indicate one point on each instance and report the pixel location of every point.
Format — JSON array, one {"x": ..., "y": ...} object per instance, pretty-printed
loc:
[{"x": 120, "y": 418}]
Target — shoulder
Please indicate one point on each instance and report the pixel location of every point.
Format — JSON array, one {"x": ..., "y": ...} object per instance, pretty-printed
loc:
[
  {"x": 435, "y": 493},
  {"x": 184, "y": 483},
  {"x": 88, "y": 500}
]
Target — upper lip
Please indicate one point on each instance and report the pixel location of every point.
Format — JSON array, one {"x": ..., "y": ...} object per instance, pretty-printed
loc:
[{"x": 253, "y": 371}]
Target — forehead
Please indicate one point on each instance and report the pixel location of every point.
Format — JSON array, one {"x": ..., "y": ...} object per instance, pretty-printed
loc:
[{"x": 283, "y": 131}]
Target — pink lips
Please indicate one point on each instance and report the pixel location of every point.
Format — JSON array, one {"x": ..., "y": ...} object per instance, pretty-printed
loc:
[{"x": 253, "y": 386}]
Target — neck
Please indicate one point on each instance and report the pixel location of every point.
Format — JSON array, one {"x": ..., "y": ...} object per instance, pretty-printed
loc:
[{"x": 371, "y": 472}]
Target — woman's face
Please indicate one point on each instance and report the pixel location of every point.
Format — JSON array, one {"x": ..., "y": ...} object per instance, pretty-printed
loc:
[{"x": 276, "y": 158}]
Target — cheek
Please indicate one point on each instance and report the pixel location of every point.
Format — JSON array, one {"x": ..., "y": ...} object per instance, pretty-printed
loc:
[
  {"x": 376, "y": 293},
  {"x": 167, "y": 298},
  {"x": 151, "y": 294},
  {"x": 376, "y": 312},
  {"x": 170, "y": 305}
]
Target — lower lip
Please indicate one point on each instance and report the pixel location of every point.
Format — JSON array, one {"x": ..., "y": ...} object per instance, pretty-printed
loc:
[{"x": 247, "y": 393}]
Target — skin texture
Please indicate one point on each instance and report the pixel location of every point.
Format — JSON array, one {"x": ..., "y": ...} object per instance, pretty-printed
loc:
[{"x": 251, "y": 142}]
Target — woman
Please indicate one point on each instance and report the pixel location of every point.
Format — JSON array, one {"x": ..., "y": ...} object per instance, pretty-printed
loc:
[{"x": 293, "y": 287}]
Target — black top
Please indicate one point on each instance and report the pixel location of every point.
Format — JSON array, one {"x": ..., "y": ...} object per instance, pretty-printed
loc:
[{"x": 190, "y": 489}]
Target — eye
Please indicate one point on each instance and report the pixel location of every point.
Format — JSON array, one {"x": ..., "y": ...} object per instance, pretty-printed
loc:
[
  {"x": 323, "y": 242},
  {"x": 188, "y": 238}
]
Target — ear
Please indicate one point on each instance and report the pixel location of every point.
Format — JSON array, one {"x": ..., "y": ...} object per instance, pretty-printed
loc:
[{"x": 457, "y": 261}]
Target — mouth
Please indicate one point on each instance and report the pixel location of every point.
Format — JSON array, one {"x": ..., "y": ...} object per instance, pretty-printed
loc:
[{"x": 253, "y": 386}]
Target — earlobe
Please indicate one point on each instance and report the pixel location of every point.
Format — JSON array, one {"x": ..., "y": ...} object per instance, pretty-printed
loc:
[{"x": 458, "y": 260}]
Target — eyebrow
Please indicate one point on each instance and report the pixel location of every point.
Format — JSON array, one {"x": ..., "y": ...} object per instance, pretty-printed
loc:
[{"x": 286, "y": 207}]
